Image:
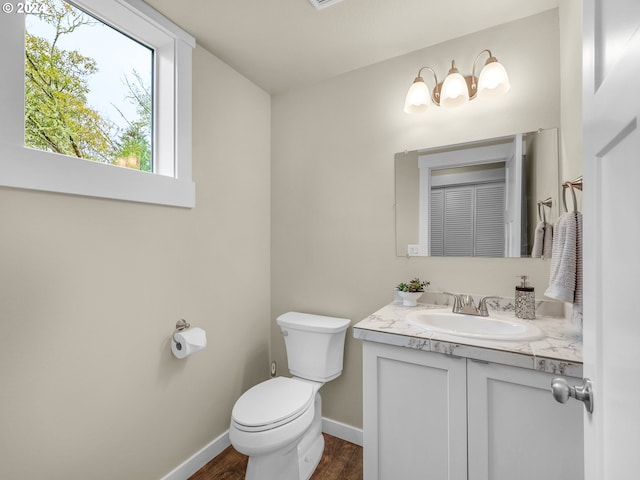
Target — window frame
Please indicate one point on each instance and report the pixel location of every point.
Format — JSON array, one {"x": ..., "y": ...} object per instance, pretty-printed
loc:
[{"x": 171, "y": 182}]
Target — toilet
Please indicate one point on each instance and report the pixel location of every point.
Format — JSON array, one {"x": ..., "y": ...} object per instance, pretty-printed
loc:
[{"x": 278, "y": 423}]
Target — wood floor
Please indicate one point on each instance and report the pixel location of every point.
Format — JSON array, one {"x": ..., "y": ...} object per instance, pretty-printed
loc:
[{"x": 340, "y": 461}]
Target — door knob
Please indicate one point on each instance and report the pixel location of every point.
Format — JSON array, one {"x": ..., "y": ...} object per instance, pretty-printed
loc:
[{"x": 562, "y": 391}]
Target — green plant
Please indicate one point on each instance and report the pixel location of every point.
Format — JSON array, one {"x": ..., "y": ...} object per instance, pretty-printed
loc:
[{"x": 414, "y": 285}]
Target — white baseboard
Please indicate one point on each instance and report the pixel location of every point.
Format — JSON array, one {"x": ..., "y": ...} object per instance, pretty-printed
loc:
[
  {"x": 342, "y": 431},
  {"x": 199, "y": 459},
  {"x": 216, "y": 446}
]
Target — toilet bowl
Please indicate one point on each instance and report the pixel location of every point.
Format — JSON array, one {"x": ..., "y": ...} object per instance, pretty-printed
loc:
[
  {"x": 268, "y": 424},
  {"x": 278, "y": 423}
]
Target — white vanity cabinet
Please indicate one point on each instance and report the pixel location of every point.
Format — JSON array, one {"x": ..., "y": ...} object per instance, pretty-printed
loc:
[
  {"x": 517, "y": 430},
  {"x": 414, "y": 412},
  {"x": 433, "y": 416}
]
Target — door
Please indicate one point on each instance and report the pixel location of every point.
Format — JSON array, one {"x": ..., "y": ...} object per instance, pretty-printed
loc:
[
  {"x": 513, "y": 200},
  {"x": 414, "y": 412},
  {"x": 516, "y": 430},
  {"x": 611, "y": 111}
]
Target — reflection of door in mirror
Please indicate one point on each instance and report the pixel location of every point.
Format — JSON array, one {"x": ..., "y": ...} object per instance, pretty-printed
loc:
[
  {"x": 474, "y": 199},
  {"x": 463, "y": 206}
]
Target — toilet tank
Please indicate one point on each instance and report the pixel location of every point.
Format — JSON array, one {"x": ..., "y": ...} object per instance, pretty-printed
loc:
[{"x": 315, "y": 344}]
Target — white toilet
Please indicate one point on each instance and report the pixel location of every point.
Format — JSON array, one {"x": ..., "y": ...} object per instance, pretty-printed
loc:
[{"x": 278, "y": 423}]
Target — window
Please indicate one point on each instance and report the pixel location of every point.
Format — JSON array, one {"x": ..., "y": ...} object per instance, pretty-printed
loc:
[
  {"x": 130, "y": 140},
  {"x": 82, "y": 97}
]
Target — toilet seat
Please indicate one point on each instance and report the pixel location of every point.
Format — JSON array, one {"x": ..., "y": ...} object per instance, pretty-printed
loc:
[{"x": 272, "y": 403}]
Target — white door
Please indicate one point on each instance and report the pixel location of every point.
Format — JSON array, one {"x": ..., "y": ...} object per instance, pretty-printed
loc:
[
  {"x": 513, "y": 199},
  {"x": 414, "y": 413},
  {"x": 504, "y": 402},
  {"x": 611, "y": 112}
]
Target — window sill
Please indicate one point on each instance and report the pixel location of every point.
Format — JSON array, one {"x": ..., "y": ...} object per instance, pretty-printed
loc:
[{"x": 32, "y": 169}]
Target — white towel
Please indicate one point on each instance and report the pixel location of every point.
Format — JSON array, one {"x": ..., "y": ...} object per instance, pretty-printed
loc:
[
  {"x": 547, "y": 246},
  {"x": 538, "y": 240},
  {"x": 577, "y": 301},
  {"x": 565, "y": 277},
  {"x": 542, "y": 241}
]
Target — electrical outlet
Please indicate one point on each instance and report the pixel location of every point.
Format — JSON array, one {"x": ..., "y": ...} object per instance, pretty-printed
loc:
[{"x": 413, "y": 250}]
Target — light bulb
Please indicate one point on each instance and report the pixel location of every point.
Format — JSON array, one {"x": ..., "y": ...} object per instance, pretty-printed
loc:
[
  {"x": 493, "y": 80},
  {"x": 455, "y": 91},
  {"x": 418, "y": 97}
]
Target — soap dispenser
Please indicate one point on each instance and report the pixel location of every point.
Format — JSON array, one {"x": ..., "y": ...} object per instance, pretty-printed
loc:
[{"x": 525, "y": 300}]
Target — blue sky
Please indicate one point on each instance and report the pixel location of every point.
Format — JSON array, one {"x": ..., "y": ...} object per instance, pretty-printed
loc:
[{"x": 116, "y": 56}]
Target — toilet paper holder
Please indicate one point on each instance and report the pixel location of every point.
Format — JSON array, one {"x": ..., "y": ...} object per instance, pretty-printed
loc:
[{"x": 181, "y": 325}]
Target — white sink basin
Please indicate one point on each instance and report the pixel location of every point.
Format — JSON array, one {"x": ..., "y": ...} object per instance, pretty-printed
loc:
[{"x": 493, "y": 327}]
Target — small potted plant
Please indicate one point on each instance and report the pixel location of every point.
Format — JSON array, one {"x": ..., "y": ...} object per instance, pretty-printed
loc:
[{"x": 412, "y": 291}]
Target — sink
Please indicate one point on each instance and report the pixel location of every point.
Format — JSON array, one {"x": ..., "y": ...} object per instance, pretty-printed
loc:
[{"x": 494, "y": 327}]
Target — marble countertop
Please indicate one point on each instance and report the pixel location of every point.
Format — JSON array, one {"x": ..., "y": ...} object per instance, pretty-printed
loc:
[{"x": 558, "y": 352}]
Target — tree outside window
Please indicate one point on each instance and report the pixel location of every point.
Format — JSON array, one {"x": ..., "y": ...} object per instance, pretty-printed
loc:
[{"x": 60, "y": 82}]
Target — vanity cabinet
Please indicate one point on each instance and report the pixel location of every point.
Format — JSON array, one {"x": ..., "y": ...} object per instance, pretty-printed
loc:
[
  {"x": 433, "y": 416},
  {"x": 414, "y": 412},
  {"x": 517, "y": 430}
]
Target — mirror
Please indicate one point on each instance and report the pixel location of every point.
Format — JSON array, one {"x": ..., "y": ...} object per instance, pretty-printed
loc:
[{"x": 478, "y": 198}]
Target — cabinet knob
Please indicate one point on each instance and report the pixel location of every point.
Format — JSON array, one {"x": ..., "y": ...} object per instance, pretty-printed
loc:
[{"x": 562, "y": 391}]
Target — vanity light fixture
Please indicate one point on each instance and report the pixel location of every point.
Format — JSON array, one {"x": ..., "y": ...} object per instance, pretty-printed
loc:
[{"x": 456, "y": 90}]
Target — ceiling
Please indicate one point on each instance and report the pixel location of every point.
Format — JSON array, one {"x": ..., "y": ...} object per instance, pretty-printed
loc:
[{"x": 282, "y": 44}]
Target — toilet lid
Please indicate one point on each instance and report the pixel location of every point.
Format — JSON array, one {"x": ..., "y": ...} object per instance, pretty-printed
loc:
[{"x": 272, "y": 403}]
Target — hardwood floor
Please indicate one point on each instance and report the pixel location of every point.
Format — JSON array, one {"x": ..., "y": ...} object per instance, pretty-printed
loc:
[{"x": 341, "y": 460}]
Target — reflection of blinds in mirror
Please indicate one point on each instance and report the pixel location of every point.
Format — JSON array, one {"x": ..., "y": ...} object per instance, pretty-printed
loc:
[
  {"x": 437, "y": 222},
  {"x": 489, "y": 241},
  {"x": 458, "y": 221},
  {"x": 468, "y": 220}
]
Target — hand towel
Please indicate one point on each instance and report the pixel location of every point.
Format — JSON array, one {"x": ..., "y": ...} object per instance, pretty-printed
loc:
[
  {"x": 542, "y": 241},
  {"x": 538, "y": 241},
  {"x": 565, "y": 277},
  {"x": 547, "y": 244},
  {"x": 577, "y": 302}
]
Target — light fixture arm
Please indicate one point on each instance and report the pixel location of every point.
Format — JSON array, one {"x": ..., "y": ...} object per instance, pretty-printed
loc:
[
  {"x": 435, "y": 96},
  {"x": 474, "y": 78}
]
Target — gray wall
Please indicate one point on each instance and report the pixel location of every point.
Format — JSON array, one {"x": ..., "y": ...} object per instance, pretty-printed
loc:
[
  {"x": 333, "y": 240},
  {"x": 91, "y": 289}
]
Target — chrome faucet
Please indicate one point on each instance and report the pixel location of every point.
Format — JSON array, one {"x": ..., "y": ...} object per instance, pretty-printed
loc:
[{"x": 464, "y": 304}]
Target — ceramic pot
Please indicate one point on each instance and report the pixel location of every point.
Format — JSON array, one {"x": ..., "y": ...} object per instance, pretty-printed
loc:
[{"x": 410, "y": 299}]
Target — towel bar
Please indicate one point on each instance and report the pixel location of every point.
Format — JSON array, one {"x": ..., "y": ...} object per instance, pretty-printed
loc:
[
  {"x": 574, "y": 184},
  {"x": 548, "y": 202}
]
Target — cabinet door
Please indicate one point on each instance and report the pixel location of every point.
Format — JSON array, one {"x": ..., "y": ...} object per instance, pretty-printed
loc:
[
  {"x": 516, "y": 428},
  {"x": 414, "y": 414}
]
